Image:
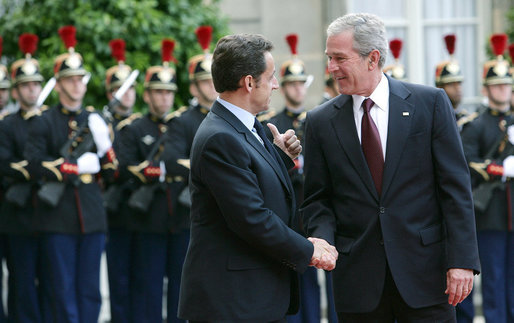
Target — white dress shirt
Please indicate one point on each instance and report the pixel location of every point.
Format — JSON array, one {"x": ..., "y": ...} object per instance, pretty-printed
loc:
[{"x": 379, "y": 112}]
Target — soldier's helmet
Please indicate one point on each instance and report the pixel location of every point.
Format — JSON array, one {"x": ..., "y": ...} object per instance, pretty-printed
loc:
[
  {"x": 116, "y": 75},
  {"x": 71, "y": 62},
  {"x": 448, "y": 71},
  {"x": 396, "y": 70},
  {"x": 496, "y": 71},
  {"x": 5, "y": 83},
  {"x": 162, "y": 77},
  {"x": 27, "y": 68},
  {"x": 199, "y": 66},
  {"x": 294, "y": 68}
]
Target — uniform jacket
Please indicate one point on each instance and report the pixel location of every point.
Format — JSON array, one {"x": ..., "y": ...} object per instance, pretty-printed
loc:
[
  {"x": 480, "y": 138},
  {"x": 241, "y": 254},
  {"x": 80, "y": 209},
  {"x": 423, "y": 222}
]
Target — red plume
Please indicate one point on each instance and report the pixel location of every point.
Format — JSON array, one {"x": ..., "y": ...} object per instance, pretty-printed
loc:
[
  {"x": 292, "y": 40},
  {"x": 28, "y": 43},
  {"x": 1, "y": 45},
  {"x": 450, "y": 43},
  {"x": 168, "y": 46},
  {"x": 396, "y": 47},
  {"x": 118, "y": 49},
  {"x": 204, "y": 36},
  {"x": 67, "y": 34},
  {"x": 511, "y": 52},
  {"x": 499, "y": 43}
]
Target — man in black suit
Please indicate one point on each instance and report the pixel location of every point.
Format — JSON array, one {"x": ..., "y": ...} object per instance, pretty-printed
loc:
[
  {"x": 388, "y": 184},
  {"x": 242, "y": 254}
]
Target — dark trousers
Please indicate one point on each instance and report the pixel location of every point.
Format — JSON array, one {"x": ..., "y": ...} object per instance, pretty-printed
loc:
[
  {"x": 309, "y": 310},
  {"x": 496, "y": 250},
  {"x": 465, "y": 310},
  {"x": 177, "y": 248},
  {"x": 71, "y": 266},
  {"x": 149, "y": 262},
  {"x": 29, "y": 303},
  {"x": 118, "y": 252},
  {"x": 392, "y": 308}
]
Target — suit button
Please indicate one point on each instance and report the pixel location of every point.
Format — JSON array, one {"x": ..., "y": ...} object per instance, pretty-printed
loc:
[
  {"x": 381, "y": 242},
  {"x": 382, "y": 210}
]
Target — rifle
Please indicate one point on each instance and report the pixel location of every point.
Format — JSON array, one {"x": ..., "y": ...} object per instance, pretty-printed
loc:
[
  {"x": 141, "y": 198},
  {"x": 483, "y": 193}
]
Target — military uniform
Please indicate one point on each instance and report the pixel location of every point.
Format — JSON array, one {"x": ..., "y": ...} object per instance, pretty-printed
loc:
[
  {"x": 151, "y": 216},
  {"x": 177, "y": 149},
  {"x": 73, "y": 227},
  {"x": 486, "y": 146},
  {"x": 118, "y": 248},
  {"x": 19, "y": 217}
]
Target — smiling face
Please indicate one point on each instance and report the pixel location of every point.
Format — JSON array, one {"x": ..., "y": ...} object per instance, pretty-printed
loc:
[{"x": 350, "y": 70}]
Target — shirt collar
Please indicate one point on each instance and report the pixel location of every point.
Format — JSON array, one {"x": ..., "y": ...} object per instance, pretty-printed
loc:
[
  {"x": 244, "y": 116},
  {"x": 380, "y": 95}
]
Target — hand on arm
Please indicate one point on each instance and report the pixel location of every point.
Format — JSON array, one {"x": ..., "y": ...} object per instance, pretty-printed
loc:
[
  {"x": 459, "y": 283},
  {"x": 324, "y": 256},
  {"x": 286, "y": 141}
]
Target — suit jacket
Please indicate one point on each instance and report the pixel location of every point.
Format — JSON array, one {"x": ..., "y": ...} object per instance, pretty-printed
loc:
[
  {"x": 241, "y": 257},
  {"x": 423, "y": 222}
]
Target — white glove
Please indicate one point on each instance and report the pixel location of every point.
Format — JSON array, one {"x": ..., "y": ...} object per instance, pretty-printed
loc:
[
  {"x": 508, "y": 166},
  {"x": 510, "y": 133},
  {"x": 88, "y": 163},
  {"x": 162, "y": 176},
  {"x": 100, "y": 133}
]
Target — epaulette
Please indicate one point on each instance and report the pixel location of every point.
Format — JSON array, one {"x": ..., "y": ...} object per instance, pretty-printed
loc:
[
  {"x": 467, "y": 119},
  {"x": 44, "y": 108},
  {"x": 127, "y": 121},
  {"x": 31, "y": 114},
  {"x": 90, "y": 108},
  {"x": 175, "y": 114},
  {"x": 266, "y": 115},
  {"x": 4, "y": 114}
]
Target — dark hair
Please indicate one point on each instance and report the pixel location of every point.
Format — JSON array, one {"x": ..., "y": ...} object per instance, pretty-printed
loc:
[{"x": 236, "y": 56}]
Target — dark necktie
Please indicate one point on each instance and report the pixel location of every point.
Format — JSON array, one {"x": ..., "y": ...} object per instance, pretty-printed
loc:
[
  {"x": 371, "y": 145},
  {"x": 260, "y": 131}
]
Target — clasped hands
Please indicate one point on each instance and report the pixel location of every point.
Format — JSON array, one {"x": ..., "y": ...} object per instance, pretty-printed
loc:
[{"x": 324, "y": 255}]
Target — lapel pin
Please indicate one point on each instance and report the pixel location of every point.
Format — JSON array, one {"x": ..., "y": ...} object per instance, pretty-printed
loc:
[{"x": 405, "y": 114}]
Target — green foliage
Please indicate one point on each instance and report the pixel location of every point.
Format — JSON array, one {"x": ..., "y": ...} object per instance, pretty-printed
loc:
[{"x": 143, "y": 24}]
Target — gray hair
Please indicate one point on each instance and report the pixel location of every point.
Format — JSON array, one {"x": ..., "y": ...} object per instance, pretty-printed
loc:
[{"x": 369, "y": 33}]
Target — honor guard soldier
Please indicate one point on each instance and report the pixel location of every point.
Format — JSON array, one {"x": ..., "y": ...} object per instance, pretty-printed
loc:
[
  {"x": 331, "y": 90},
  {"x": 70, "y": 145},
  {"x": 396, "y": 70},
  {"x": 488, "y": 145},
  {"x": 448, "y": 76},
  {"x": 177, "y": 148},
  {"x": 119, "y": 242},
  {"x": 152, "y": 203},
  {"x": 19, "y": 214}
]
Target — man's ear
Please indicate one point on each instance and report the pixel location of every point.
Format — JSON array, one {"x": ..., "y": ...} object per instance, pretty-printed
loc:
[{"x": 248, "y": 83}]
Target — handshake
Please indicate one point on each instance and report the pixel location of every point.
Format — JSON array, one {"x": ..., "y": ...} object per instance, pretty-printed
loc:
[{"x": 324, "y": 256}]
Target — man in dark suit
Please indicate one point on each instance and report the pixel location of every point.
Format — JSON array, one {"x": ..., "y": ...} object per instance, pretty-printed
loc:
[
  {"x": 388, "y": 184},
  {"x": 242, "y": 254}
]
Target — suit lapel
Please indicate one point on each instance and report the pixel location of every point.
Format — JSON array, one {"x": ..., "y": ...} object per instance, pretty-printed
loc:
[
  {"x": 401, "y": 113},
  {"x": 224, "y": 113},
  {"x": 343, "y": 123}
]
